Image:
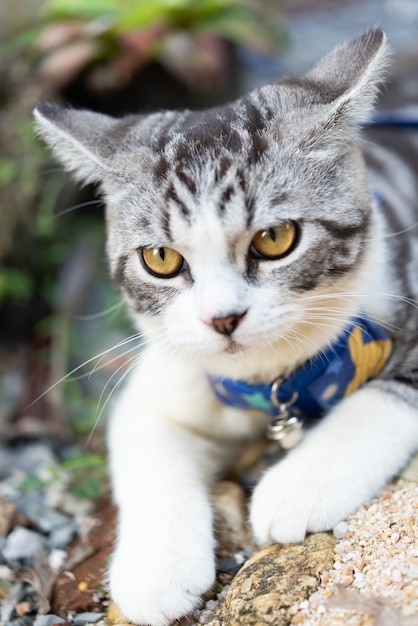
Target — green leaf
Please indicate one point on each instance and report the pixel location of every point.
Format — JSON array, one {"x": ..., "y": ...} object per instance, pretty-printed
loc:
[
  {"x": 85, "y": 9},
  {"x": 32, "y": 483},
  {"x": 89, "y": 489},
  {"x": 8, "y": 171},
  {"x": 15, "y": 284},
  {"x": 81, "y": 461}
]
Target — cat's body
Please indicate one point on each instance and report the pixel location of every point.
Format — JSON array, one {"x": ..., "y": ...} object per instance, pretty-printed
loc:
[{"x": 245, "y": 240}]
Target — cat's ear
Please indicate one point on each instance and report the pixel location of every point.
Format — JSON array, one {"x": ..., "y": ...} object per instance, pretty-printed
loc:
[
  {"x": 349, "y": 76},
  {"x": 78, "y": 139}
]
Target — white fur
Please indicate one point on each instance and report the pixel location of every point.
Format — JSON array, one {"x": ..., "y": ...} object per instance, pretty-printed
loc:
[
  {"x": 168, "y": 440},
  {"x": 352, "y": 453}
]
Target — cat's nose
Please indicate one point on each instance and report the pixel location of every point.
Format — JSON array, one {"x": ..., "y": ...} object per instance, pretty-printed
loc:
[{"x": 227, "y": 325}]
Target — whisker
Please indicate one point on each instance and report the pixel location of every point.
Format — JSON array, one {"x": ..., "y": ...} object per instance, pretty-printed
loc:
[
  {"x": 343, "y": 317},
  {"x": 351, "y": 294},
  {"x": 75, "y": 207},
  {"x": 99, "y": 415},
  {"x": 389, "y": 235},
  {"x": 138, "y": 346},
  {"x": 79, "y": 367},
  {"x": 100, "y": 314}
]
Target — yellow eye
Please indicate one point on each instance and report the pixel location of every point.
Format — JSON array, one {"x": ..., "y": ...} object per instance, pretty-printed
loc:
[
  {"x": 275, "y": 242},
  {"x": 163, "y": 262}
]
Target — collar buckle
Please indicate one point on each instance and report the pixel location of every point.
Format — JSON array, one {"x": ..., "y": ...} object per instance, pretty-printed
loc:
[{"x": 285, "y": 427}]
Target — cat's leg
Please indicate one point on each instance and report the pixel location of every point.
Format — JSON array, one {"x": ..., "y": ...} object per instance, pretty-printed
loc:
[
  {"x": 162, "y": 470},
  {"x": 341, "y": 463}
]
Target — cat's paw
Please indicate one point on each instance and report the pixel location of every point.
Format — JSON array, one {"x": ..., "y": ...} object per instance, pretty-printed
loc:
[
  {"x": 295, "y": 497},
  {"x": 157, "y": 587}
]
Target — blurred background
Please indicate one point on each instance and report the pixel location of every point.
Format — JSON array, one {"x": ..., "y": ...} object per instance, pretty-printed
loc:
[{"x": 62, "y": 326}]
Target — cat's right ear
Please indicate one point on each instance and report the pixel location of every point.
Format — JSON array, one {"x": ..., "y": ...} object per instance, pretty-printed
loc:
[{"x": 78, "y": 139}]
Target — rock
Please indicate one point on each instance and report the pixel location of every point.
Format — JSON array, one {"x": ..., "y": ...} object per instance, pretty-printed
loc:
[
  {"x": 340, "y": 530},
  {"x": 2, "y": 546},
  {"x": 48, "y": 620},
  {"x": 410, "y": 472},
  {"x": 62, "y": 537},
  {"x": 57, "y": 559},
  {"x": 22, "y": 545},
  {"x": 5, "y": 462},
  {"x": 35, "y": 459},
  {"x": 21, "y": 621},
  {"x": 87, "y": 618},
  {"x": 7, "y": 516},
  {"x": 114, "y": 617},
  {"x": 229, "y": 504},
  {"x": 270, "y": 586},
  {"x": 58, "y": 497},
  {"x": 46, "y": 519},
  {"x": 229, "y": 564}
]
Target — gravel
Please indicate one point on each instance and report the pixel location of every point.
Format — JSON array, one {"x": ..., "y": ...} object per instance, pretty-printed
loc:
[
  {"x": 375, "y": 571},
  {"x": 37, "y": 535},
  {"x": 21, "y": 546}
]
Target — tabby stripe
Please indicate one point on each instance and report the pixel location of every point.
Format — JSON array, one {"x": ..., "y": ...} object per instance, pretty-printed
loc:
[
  {"x": 161, "y": 169},
  {"x": 222, "y": 168},
  {"x": 186, "y": 180},
  {"x": 255, "y": 120},
  {"x": 250, "y": 205},
  {"x": 258, "y": 148},
  {"x": 165, "y": 222},
  {"x": 171, "y": 194},
  {"x": 225, "y": 198},
  {"x": 344, "y": 232}
]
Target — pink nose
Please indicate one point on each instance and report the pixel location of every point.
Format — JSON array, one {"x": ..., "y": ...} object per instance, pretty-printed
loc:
[{"x": 226, "y": 325}]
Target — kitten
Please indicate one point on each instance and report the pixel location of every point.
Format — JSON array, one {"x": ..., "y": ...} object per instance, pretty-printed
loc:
[{"x": 254, "y": 248}]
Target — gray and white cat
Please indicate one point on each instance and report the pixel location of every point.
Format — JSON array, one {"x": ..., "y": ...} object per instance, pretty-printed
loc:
[{"x": 251, "y": 242}]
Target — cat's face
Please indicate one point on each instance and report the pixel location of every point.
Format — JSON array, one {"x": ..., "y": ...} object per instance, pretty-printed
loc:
[
  {"x": 242, "y": 229},
  {"x": 247, "y": 226}
]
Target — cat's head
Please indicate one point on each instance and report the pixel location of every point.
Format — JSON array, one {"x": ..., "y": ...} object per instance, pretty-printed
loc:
[{"x": 240, "y": 229}]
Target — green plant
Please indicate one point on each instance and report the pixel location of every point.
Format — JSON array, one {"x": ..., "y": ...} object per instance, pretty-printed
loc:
[{"x": 85, "y": 476}]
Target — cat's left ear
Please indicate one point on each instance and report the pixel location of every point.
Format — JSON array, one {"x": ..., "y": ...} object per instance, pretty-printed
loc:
[
  {"x": 78, "y": 139},
  {"x": 349, "y": 76}
]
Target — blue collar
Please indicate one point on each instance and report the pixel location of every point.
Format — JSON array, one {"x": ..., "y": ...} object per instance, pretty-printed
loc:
[{"x": 358, "y": 354}]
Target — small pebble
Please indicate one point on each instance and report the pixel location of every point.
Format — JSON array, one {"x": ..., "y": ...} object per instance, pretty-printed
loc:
[
  {"x": 83, "y": 585},
  {"x": 87, "y": 618},
  {"x": 47, "y": 520},
  {"x": 48, "y": 620},
  {"x": 340, "y": 530},
  {"x": 57, "y": 558},
  {"x": 359, "y": 580},
  {"x": 22, "y": 544},
  {"x": 62, "y": 537},
  {"x": 205, "y": 617},
  {"x": 35, "y": 459}
]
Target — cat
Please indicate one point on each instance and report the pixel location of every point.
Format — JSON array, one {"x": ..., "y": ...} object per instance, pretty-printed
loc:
[{"x": 254, "y": 248}]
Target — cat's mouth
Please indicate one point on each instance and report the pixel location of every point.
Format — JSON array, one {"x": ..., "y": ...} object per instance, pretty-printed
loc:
[{"x": 233, "y": 348}]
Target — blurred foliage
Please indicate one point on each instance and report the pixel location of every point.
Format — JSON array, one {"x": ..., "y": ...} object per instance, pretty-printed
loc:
[
  {"x": 239, "y": 21},
  {"x": 85, "y": 476},
  {"x": 24, "y": 156},
  {"x": 113, "y": 39}
]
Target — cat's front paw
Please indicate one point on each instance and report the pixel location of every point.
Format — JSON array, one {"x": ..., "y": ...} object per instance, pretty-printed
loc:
[
  {"x": 297, "y": 496},
  {"x": 280, "y": 509},
  {"x": 153, "y": 587}
]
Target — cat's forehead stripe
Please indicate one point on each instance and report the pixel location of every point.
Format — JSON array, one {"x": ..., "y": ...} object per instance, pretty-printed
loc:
[
  {"x": 172, "y": 195},
  {"x": 186, "y": 179}
]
